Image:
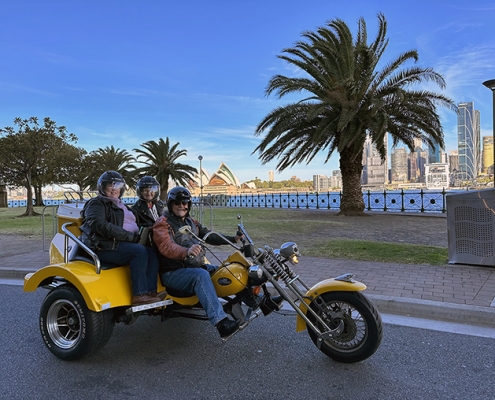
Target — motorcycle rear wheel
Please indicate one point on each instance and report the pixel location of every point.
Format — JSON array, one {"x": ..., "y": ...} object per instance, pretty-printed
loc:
[
  {"x": 69, "y": 329},
  {"x": 362, "y": 332}
]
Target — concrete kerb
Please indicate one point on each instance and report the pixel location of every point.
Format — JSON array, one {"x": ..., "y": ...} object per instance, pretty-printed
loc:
[
  {"x": 434, "y": 310},
  {"x": 407, "y": 307}
]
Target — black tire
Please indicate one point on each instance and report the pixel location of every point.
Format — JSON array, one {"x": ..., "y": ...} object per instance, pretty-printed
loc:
[
  {"x": 69, "y": 329},
  {"x": 362, "y": 333}
]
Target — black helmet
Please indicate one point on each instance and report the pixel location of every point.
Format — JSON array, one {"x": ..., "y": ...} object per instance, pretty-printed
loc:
[
  {"x": 148, "y": 182},
  {"x": 179, "y": 193},
  {"x": 111, "y": 178}
]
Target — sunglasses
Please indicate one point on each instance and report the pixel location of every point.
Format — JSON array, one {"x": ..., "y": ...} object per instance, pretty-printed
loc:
[{"x": 178, "y": 203}]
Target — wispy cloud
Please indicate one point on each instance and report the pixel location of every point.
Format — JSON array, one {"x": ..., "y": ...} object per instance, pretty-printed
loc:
[{"x": 12, "y": 87}]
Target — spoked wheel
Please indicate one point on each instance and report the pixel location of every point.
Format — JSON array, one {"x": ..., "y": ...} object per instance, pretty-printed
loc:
[
  {"x": 361, "y": 333},
  {"x": 69, "y": 329}
]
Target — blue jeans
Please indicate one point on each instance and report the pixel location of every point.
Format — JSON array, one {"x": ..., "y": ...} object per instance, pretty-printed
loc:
[
  {"x": 142, "y": 261},
  {"x": 197, "y": 280}
]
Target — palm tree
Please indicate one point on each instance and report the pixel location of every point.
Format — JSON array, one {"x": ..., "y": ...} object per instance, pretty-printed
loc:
[
  {"x": 109, "y": 158},
  {"x": 348, "y": 99},
  {"x": 160, "y": 162}
]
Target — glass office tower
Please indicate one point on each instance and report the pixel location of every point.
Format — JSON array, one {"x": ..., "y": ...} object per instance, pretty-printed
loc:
[{"x": 468, "y": 141}]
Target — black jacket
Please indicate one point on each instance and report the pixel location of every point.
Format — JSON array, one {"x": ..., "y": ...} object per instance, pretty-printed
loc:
[
  {"x": 102, "y": 225},
  {"x": 144, "y": 216}
]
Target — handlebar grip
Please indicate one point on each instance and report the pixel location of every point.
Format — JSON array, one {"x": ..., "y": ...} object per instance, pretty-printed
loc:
[{"x": 240, "y": 227}]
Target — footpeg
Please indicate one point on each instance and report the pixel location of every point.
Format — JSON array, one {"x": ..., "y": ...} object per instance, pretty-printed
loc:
[{"x": 143, "y": 307}]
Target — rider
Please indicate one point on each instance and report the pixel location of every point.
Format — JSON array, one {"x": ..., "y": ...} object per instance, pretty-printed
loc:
[
  {"x": 148, "y": 207},
  {"x": 182, "y": 265},
  {"x": 109, "y": 228}
]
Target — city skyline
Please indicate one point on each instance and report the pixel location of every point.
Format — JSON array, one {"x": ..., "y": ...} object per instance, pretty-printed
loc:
[{"x": 121, "y": 73}]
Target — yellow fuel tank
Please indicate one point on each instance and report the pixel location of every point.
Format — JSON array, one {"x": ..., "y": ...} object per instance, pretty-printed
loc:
[{"x": 230, "y": 279}]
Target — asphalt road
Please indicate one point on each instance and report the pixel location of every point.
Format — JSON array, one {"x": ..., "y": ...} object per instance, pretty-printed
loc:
[{"x": 184, "y": 359}]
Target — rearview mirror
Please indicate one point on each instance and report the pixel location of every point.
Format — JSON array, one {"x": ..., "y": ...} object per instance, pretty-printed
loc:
[{"x": 185, "y": 229}]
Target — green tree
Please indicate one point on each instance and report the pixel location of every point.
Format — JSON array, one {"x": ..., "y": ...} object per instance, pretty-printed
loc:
[
  {"x": 75, "y": 170},
  {"x": 160, "y": 160},
  {"x": 348, "y": 98},
  {"x": 27, "y": 154}
]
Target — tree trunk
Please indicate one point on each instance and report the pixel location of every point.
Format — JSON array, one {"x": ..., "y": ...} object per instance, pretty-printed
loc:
[
  {"x": 29, "y": 206},
  {"x": 351, "y": 203},
  {"x": 38, "y": 196}
]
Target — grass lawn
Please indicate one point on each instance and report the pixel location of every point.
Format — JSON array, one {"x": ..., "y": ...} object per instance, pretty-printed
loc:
[{"x": 268, "y": 226}]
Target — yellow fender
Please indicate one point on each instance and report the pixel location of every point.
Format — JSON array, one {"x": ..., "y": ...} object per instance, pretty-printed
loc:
[
  {"x": 328, "y": 285},
  {"x": 111, "y": 288}
]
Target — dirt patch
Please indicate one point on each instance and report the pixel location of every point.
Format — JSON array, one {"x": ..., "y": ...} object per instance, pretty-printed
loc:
[{"x": 11, "y": 245}]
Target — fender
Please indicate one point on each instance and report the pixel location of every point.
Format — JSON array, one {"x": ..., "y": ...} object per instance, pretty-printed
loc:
[
  {"x": 325, "y": 286},
  {"x": 111, "y": 288}
]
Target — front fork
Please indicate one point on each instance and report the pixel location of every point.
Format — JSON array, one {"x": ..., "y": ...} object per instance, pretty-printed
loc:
[{"x": 341, "y": 283}]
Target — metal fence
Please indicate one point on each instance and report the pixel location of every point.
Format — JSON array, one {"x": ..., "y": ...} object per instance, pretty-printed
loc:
[
  {"x": 391, "y": 201},
  {"x": 425, "y": 201}
]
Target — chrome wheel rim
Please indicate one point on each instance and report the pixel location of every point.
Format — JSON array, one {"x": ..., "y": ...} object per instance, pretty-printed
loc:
[
  {"x": 355, "y": 328},
  {"x": 63, "y": 323}
]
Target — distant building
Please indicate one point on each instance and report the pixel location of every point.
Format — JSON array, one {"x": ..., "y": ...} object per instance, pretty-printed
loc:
[
  {"x": 468, "y": 140},
  {"x": 399, "y": 165},
  {"x": 434, "y": 154},
  {"x": 336, "y": 179},
  {"x": 271, "y": 176},
  {"x": 487, "y": 154},
  {"x": 453, "y": 161},
  {"x": 437, "y": 176},
  {"x": 321, "y": 183},
  {"x": 375, "y": 170},
  {"x": 222, "y": 181}
]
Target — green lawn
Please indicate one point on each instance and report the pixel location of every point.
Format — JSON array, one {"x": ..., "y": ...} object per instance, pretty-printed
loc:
[{"x": 268, "y": 227}]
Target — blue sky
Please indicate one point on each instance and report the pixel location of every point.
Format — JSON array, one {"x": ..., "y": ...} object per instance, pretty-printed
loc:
[{"x": 123, "y": 72}]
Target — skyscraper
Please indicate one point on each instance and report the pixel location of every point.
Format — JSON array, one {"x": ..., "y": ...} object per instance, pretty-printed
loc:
[
  {"x": 375, "y": 171},
  {"x": 434, "y": 154},
  {"x": 399, "y": 165},
  {"x": 468, "y": 140},
  {"x": 416, "y": 162},
  {"x": 487, "y": 153}
]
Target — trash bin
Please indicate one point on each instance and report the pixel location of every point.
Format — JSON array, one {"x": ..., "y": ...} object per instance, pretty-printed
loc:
[{"x": 471, "y": 227}]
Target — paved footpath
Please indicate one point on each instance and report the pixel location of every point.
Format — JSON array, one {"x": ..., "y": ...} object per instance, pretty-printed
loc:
[{"x": 460, "y": 293}]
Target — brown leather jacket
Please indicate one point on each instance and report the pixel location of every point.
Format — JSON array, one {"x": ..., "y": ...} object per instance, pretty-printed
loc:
[{"x": 172, "y": 246}]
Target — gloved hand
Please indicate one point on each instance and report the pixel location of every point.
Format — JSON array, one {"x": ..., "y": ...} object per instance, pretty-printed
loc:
[
  {"x": 239, "y": 237},
  {"x": 132, "y": 237}
]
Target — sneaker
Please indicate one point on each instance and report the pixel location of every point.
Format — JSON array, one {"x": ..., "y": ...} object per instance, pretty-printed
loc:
[
  {"x": 147, "y": 298},
  {"x": 227, "y": 327}
]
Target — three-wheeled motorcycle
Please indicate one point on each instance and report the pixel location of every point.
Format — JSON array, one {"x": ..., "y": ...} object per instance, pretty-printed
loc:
[{"x": 87, "y": 297}]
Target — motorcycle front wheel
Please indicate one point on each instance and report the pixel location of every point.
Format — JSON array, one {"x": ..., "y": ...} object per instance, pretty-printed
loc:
[{"x": 362, "y": 326}]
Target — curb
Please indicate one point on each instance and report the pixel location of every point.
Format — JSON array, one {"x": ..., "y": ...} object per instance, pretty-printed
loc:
[
  {"x": 436, "y": 310},
  {"x": 15, "y": 273},
  {"x": 461, "y": 313}
]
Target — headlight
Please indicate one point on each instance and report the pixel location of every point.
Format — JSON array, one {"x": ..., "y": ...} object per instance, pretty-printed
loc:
[
  {"x": 288, "y": 249},
  {"x": 255, "y": 272}
]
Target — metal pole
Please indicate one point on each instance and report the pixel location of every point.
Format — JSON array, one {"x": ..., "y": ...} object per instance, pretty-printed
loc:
[
  {"x": 490, "y": 84},
  {"x": 200, "y": 158}
]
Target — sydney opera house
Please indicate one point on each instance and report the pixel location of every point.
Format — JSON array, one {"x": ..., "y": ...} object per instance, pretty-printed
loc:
[{"x": 223, "y": 181}]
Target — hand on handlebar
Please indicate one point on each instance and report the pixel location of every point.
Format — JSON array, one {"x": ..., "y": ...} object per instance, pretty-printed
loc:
[
  {"x": 239, "y": 237},
  {"x": 194, "y": 250}
]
